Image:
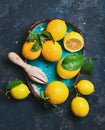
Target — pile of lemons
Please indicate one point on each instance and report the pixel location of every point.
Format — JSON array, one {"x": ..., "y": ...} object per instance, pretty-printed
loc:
[{"x": 51, "y": 50}]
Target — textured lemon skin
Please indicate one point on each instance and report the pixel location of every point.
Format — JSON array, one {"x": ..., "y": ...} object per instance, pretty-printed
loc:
[
  {"x": 80, "y": 106},
  {"x": 28, "y": 53},
  {"x": 57, "y": 91},
  {"x": 20, "y": 92},
  {"x": 85, "y": 87},
  {"x": 51, "y": 51},
  {"x": 57, "y": 28},
  {"x": 66, "y": 74}
]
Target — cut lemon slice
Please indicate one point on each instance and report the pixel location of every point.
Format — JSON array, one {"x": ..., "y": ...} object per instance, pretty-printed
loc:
[{"x": 73, "y": 42}]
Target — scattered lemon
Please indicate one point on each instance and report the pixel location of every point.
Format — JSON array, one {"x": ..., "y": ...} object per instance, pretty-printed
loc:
[
  {"x": 85, "y": 87},
  {"x": 57, "y": 91},
  {"x": 66, "y": 74},
  {"x": 73, "y": 42},
  {"x": 20, "y": 92},
  {"x": 28, "y": 53},
  {"x": 57, "y": 28},
  {"x": 17, "y": 89},
  {"x": 51, "y": 51},
  {"x": 80, "y": 106}
]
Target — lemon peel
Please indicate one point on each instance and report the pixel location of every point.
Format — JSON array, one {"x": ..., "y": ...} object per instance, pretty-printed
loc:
[{"x": 73, "y": 41}]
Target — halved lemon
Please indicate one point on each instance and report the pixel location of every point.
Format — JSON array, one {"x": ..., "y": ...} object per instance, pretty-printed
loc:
[{"x": 73, "y": 41}]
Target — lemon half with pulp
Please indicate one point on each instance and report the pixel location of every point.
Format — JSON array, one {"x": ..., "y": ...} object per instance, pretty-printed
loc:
[{"x": 73, "y": 41}]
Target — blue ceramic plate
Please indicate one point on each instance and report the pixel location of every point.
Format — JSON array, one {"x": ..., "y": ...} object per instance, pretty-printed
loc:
[{"x": 47, "y": 67}]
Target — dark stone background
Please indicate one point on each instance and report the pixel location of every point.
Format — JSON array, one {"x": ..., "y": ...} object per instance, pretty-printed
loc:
[{"x": 16, "y": 16}]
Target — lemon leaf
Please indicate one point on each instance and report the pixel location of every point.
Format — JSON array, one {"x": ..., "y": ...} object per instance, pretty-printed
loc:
[
  {"x": 32, "y": 37},
  {"x": 88, "y": 67},
  {"x": 47, "y": 35},
  {"x": 13, "y": 84},
  {"x": 36, "y": 47},
  {"x": 41, "y": 39},
  {"x": 73, "y": 61}
]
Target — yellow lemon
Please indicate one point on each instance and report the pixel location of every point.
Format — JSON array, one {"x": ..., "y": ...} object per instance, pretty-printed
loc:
[
  {"x": 57, "y": 28},
  {"x": 28, "y": 53},
  {"x": 85, "y": 87},
  {"x": 66, "y": 74},
  {"x": 73, "y": 41},
  {"x": 20, "y": 92},
  {"x": 80, "y": 106},
  {"x": 51, "y": 51},
  {"x": 57, "y": 91}
]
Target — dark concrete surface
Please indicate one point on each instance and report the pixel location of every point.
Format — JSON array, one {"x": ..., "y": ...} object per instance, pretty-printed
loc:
[{"x": 16, "y": 16}]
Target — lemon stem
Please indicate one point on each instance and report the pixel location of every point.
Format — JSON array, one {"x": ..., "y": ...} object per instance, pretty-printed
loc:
[
  {"x": 2, "y": 91},
  {"x": 5, "y": 93},
  {"x": 46, "y": 100},
  {"x": 77, "y": 93}
]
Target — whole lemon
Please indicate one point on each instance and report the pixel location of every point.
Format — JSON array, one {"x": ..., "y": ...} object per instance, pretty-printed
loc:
[
  {"x": 85, "y": 87},
  {"x": 57, "y": 91},
  {"x": 80, "y": 106},
  {"x": 57, "y": 28},
  {"x": 28, "y": 53},
  {"x": 17, "y": 89},
  {"x": 20, "y": 92},
  {"x": 51, "y": 51},
  {"x": 66, "y": 74}
]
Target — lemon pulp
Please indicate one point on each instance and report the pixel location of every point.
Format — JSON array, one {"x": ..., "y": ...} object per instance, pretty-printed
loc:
[{"x": 73, "y": 42}]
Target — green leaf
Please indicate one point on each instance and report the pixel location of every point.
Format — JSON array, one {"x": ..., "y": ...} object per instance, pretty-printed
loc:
[
  {"x": 42, "y": 95},
  {"x": 36, "y": 46},
  {"x": 32, "y": 37},
  {"x": 47, "y": 35},
  {"x": 73, "y": 61},
  {"x": 13, "y": 84},
  {"x": 39, "y": 39},
  {"x": 88, "y": 67},
  {"x": 42, "y": 40}
]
